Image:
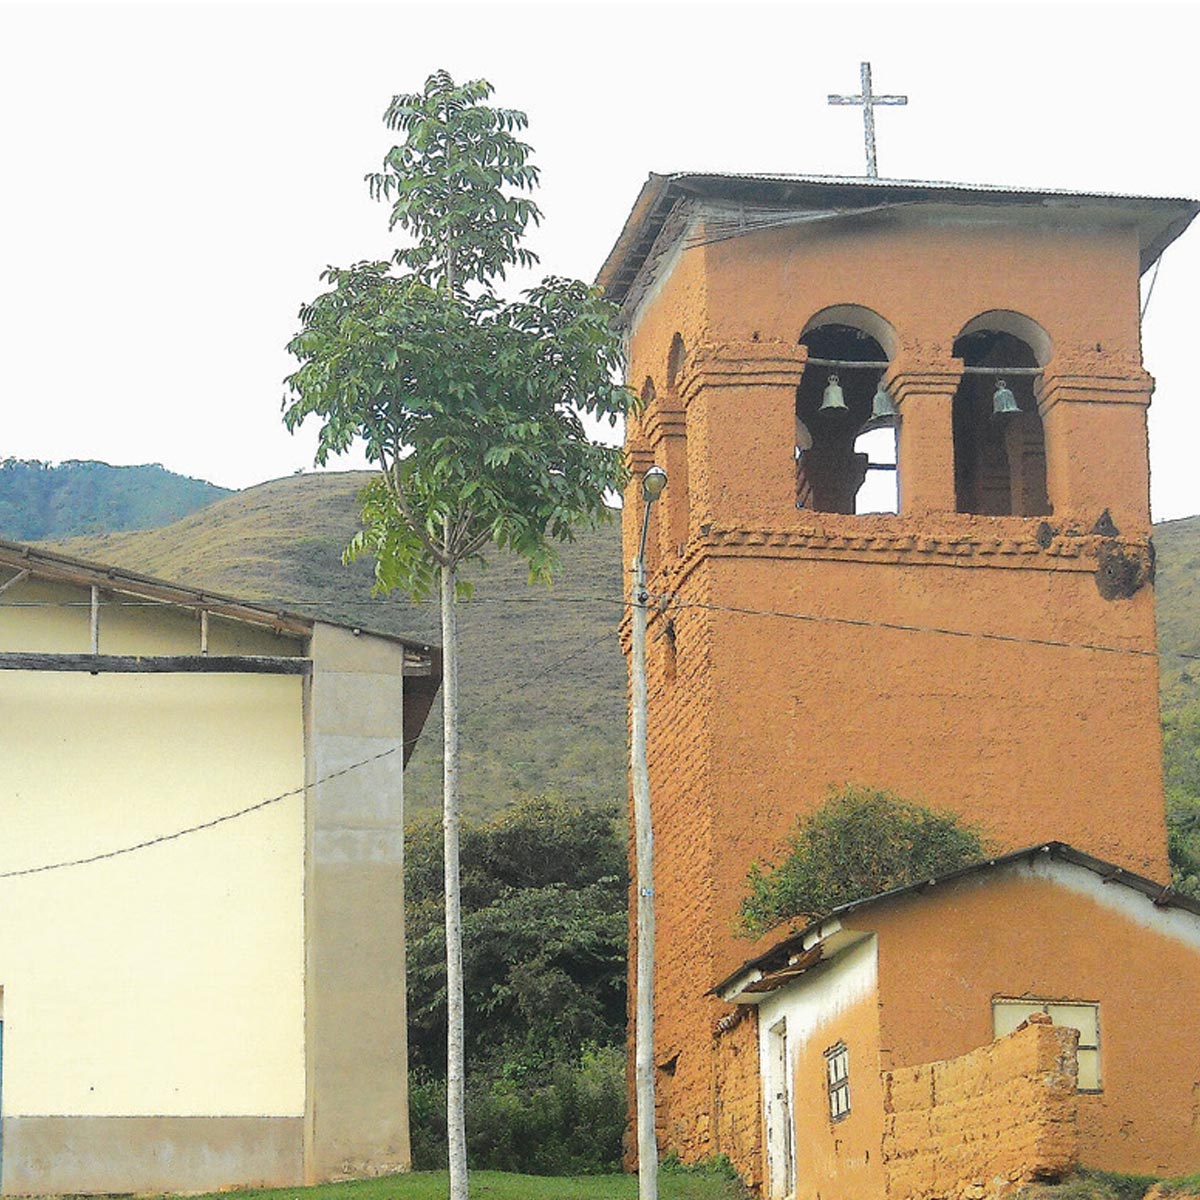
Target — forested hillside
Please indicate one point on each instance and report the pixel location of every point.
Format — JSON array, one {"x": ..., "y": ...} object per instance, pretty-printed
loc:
[{"x": 40, "y": 501}]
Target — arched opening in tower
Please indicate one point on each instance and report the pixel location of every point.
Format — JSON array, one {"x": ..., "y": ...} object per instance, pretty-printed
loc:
[
  {"x": 845, "y": 446},
  {"x": 999, "y": 444}
]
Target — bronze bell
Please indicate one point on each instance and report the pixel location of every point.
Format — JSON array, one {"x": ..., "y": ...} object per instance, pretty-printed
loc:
[
  {"x": 833, "y": 398},
  {"x": 881, "y": 405},
  {"x": 1004, "y": 401}
]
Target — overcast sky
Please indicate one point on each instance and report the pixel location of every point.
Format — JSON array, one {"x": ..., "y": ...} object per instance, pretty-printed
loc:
[{"x": 175, "y": 176}]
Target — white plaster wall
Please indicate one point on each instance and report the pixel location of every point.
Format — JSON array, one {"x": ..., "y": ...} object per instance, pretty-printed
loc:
[
  {"x": 1175, "y": 923},
  {"x": 807, "y": 1006},
  {"x": 814, "y": 999},
  {"x": 168, "y": 981}
]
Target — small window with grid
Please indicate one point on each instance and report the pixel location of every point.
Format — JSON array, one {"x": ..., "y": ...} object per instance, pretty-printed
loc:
[
  {"x": 1085, "y": 1017},
  {"x": 837, "y": 1075}
]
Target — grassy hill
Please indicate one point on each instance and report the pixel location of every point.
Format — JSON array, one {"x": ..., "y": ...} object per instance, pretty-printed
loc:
[
  {"x": 1177, "y": 589},
  {"x": 39, "y": 501},
  {"x": 543, "y": 681}
]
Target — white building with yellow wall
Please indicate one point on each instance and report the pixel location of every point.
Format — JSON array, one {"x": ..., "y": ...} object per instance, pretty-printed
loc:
[{"x": 201, "y": 886}]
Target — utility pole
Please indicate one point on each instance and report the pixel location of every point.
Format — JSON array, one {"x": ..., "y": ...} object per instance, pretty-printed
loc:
[{"x": 653, "y": 483}]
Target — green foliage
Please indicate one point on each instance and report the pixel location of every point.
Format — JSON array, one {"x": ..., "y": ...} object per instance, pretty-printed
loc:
[
  {"x": 470, "y": 405},
  {"x": 716, "y": 1167},
  {"x": 1184, "y": 1185},
  {"x": 38, "y": 501},
  {"x": 1177, "y": 610},
  {"x": 1181, "y": 771},
  {"x": 544, "y": 932},
  {"x": 859, "y": 843},
  {"x": 1087, "y": 1184},
  {"x": 498, "y": 1185},
  {"x": 446, "y": 182},
  {"x": 569, "y": 1120}
]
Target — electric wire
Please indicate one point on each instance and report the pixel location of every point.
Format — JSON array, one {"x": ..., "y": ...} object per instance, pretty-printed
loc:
[
  {"x": 665, "y": 603},
  {"x": 669, "y": 600},
  {"x": 865, "y": 623},
  {"x": 259, "y": 805},
  {"x": 202, "y": 825}
]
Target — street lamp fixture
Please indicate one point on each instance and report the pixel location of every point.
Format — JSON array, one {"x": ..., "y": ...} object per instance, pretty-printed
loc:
[{"x": 653, "y": 482}]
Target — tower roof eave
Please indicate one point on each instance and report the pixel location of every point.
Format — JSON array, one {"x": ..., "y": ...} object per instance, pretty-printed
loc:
[{"x": 1159, "y": 220}]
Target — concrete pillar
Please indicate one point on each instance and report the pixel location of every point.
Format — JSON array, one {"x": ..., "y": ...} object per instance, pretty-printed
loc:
[{"x": 355, "y": 1004}]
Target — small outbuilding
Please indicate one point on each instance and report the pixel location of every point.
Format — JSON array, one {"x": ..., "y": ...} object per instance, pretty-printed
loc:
[
  {"x": 201, "y": 881},
  {"x": 998, "y": 1024}
]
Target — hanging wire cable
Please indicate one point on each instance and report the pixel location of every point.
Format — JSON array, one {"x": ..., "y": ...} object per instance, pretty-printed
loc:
[
  {"x": 864, "y": 623},
  {"x": 1150, "y": 289},
  {"x": 259, "y": 805},
  {"x": 210, "y": 824},
  {"x": 665, "y": 599}
]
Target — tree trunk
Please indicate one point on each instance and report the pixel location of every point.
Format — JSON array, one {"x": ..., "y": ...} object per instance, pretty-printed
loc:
[{"x": 455, "y": 1068}]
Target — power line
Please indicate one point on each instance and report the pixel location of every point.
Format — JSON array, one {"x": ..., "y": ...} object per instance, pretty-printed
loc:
[
  {"x": 210, "y": 824},
  {"x": 259, "y": 805},
  {"x": 865, "y": 623},
  {"x": 555, "y": 666},
  {"x": 669, "y": 601}
]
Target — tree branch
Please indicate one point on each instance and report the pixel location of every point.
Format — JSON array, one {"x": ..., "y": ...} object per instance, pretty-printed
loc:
[{"x": 397, "y": 492}]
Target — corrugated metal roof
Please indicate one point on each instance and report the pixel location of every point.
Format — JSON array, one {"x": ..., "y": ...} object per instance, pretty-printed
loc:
[
  {"x": 874, "y": 183},
  {"x": 62, "y": 568},
  {"x": 1159, "y": 219},
  {"x": 776, "y": 958}
]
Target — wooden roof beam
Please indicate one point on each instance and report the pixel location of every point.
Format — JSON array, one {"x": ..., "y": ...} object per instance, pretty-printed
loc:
[{"x": 159, "y": 664}]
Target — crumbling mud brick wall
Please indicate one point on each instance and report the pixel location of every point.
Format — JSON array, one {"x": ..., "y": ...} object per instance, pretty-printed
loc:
[
  {"x": 737, "y": 1094},
  {"x": 981, "y": 1125}
]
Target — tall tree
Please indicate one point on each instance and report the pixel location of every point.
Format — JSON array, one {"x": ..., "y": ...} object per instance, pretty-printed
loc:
[{"x": 471, "y": 405}]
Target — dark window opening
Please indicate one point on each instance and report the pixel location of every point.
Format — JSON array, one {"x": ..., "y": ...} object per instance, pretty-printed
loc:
[
  {"x": 845, "y": 425},
  {"x": 999, "y": 456}
]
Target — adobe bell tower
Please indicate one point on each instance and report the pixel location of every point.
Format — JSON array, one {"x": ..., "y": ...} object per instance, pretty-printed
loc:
[{"x": 809, "y": 349}]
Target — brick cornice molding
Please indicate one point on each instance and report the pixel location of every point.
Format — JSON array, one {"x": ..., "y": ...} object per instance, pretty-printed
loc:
[
  {"x": 640, "y": 456},
  {"x": 664, "y": 419},
  {"x": 1075, "y": 387},
  {"x": 742, "y": 364},
  {"x": 922, "y": 372},
  {"x": 1017, "y": 542}
]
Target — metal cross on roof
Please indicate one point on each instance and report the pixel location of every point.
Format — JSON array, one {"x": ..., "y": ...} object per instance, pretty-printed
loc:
[{"x": 868, "y": 100}]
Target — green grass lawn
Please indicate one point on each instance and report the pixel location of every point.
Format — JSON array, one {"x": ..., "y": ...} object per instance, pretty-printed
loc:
[{"x": 497, "y": 1185}]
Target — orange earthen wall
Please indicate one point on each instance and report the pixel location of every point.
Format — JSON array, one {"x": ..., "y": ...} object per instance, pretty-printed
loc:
[
  {"x": 928, "y": 280},
  {"x": 840, "y": 1160},
  {"x": 944, "y": 954},
  {"x": 737, "y": 1099},
  {"x": 1016, "y": 737},
  {"x": 754, "y": 717},
  {"x": 680, "y": 673},
  {"x": 983, "y": 1124}
]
